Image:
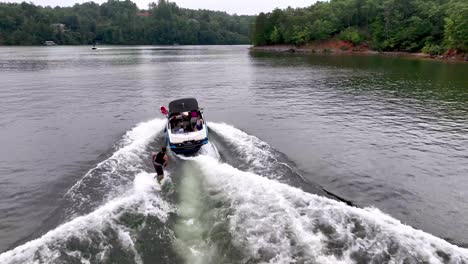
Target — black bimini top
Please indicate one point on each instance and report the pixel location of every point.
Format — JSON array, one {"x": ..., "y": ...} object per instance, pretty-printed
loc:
[{"x": 183, "y": 105}]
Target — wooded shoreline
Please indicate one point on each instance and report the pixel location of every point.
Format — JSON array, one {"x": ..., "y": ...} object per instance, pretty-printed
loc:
[
  {"x": 312, "y": 49},
  {"x": 119, "y": 23},
  {"x": 408, "y": 27}
]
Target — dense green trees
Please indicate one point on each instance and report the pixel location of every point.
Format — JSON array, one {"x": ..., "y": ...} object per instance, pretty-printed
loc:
[
  {"x": 432, "y": 26},
  {"x": 397, "y": 25},
  {"x": 119, "y": 22}
]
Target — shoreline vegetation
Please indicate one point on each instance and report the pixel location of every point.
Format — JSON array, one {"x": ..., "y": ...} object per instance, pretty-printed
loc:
[
  {"x": 342, "y": 48},
  {"x": 436, "y": 29},
  {"x": 120, "y": 23}
]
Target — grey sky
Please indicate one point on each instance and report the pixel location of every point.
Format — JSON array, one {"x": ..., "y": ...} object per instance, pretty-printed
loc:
[{"x": 248, "y": 7}]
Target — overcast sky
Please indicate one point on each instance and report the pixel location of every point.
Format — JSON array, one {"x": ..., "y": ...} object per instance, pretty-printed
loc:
[{"x": 241, "y": 7}]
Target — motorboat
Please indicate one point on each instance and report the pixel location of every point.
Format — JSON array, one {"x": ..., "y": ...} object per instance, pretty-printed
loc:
[{"x": 186, "y": 129}]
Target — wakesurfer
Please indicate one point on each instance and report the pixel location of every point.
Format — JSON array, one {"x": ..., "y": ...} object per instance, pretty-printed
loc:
[{"x": 160, "y": 160}]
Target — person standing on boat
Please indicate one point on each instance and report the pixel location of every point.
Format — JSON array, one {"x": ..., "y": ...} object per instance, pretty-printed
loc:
[{"x": 160, "y": 160}]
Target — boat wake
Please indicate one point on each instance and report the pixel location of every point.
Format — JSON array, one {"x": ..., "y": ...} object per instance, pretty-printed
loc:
[
  {"x": 113, "y": 176},
  {"x": 224, "y": 210},
  {"x": 105, "y": 235},
  {"x": 276, "y": 223}
]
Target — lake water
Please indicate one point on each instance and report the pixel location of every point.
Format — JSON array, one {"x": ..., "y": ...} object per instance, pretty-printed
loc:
[{"x": 313, "y": 159}]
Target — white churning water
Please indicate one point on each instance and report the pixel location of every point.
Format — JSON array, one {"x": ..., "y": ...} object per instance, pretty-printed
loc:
[
  {"x": 268, "y": 221},
  {"x": 277, "y": 223},
  {"x": 100, "y": 230},
  {"x": 110, "y": 177},
  {"x": 103, "y": 228}
]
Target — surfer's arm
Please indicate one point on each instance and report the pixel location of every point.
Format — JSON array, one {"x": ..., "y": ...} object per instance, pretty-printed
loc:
[{"x": 165, "y": 160}]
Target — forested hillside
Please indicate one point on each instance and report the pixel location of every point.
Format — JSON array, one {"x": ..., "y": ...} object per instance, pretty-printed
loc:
[
  {"x": 119, "y": 22},
  {"x": 431, "y": 26}
]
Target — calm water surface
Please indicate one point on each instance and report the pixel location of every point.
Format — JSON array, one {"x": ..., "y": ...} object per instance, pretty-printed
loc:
[{"x": 389, "y": 133}]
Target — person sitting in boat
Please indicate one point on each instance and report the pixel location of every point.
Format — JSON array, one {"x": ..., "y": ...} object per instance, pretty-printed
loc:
[
  {"x": 199, "y": 125},
  {"x": 173, "y": 122},
  {"x": 193, "y": 120},
  {"x": 180, "y": 129},
  {"x": 185, "y": 116}
]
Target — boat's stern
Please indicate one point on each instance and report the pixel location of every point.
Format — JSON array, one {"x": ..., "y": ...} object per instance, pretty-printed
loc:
[
  {"x": 188, "y": 147},
  {"x": 187, "y": 143}
]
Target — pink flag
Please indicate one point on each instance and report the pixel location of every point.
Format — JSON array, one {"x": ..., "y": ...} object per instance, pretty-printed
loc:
[{"x": 164, "y": 110}]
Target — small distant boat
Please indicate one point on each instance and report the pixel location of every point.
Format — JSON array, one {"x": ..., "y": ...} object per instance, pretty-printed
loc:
[
  {"x": 186, "y": 128},
  {"x": 49, "y": 43},
  {"x": 94, "y": 46}
]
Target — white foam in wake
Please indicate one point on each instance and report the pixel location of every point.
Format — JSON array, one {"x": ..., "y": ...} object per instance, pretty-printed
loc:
[
  {"x": 276, "y": 223},
  {"x": 255, "y": 151},
  {"x": 210, "y": 150},
  {"x": 94, "y": 227},
  {"x": 108, "y": 175},
  {"x": 259, "y": 156}
]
